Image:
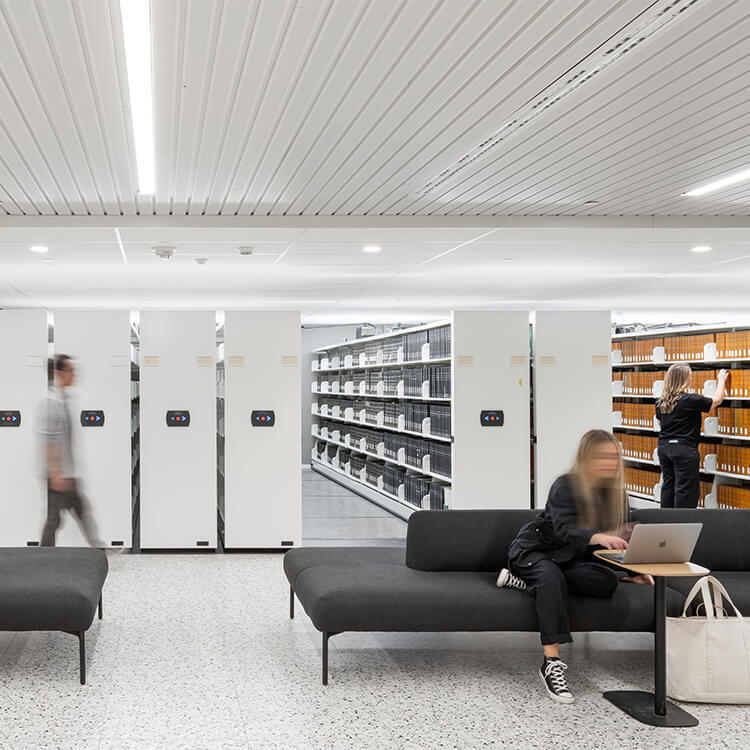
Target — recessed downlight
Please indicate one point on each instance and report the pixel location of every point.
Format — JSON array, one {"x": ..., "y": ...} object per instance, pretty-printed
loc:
[
  {"x": 371, "y": 249},
  {"x": 701, "y": 249},
  {"x": 39, "y": 248}
]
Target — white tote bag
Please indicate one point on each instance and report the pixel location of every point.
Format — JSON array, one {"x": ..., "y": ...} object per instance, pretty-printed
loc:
[{"x": 708, "y": 657}]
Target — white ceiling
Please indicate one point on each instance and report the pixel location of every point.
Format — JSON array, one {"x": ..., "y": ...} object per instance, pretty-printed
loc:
[
  {"x": 421, "y": 273},
  {"x": 338, "y": 107},
  {"x": 309, "y": 128}
]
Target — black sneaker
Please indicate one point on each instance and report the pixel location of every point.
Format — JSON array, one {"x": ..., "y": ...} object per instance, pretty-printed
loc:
[
  {"x": 553, "y": 677},
  {"x": 506, "y": 580}
]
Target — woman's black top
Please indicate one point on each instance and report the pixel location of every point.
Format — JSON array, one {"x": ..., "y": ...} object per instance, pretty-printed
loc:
[
  {"x": 683, "y": 424},
  {"x": 555, "y": 534}
]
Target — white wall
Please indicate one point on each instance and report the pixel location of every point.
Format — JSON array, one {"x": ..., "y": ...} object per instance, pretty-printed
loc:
[
  {"x": 491, "y": 371},
  {"x": 23, "y": 387},
  {"x": 178, "y": 464},
  {"x": 262, "y": 485},
  {"x": 99, "y": 343},
  {"x": 572, "y": 388}
]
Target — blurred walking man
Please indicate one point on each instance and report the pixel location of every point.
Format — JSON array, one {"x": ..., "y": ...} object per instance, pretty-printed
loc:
[{"x": 63, "y": 486}]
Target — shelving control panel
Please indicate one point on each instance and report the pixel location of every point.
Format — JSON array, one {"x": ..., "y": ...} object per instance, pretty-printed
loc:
[
  {"x": 92, "y": 418},
  {"x": 10, "y": 418},
  {"x": 178, "y": 419}
]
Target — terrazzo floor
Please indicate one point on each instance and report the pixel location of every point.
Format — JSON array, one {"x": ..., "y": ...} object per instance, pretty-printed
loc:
[{"x": 198, "y": 652}]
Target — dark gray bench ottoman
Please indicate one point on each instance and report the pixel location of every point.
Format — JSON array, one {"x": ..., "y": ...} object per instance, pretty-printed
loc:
[
  {"x": 52, "y": 588},
  {"x": 444, "y": 581}
]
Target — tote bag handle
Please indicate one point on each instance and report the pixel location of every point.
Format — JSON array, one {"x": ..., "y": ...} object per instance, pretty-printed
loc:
[{"x": 704, "y": 586}]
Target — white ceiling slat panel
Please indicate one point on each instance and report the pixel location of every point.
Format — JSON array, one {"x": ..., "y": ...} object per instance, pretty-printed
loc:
[
  {"x": 338, "y": 27},
  {"x": 540, "y": 49},
  {"x": 46, "y": 105},
  {"x": 401, "y": 32},
  {"x": 21, "y": 131},
  {"x": 266, "y": 36},
  {"x": 101, "y": 40},
  {"x": 418, "y": 69},
  {"x": 328, "y": 120},
  {"x": 193, "y": 75},
  {"x": 577, "y": 170},
  {"x": 588, "y": 122},
  {"x": 473, "y": 42},
  {"x": 236, "y": 26},
  {"x": 324, "y": 32},
  {"x": 344, "y": 107},
  {"x": 300, "y": 38},
  {"x": 85, "y": 147}
]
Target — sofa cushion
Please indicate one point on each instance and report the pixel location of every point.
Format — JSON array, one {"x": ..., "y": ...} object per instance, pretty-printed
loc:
[
  {"x": 723, "y": 543},
  {"x": 342, "y": 593},
  {"x": 358, "y": 558},
  {"x": 737, "y": 584},
  {"x": 50, "y": 588},
  {"x": 462, "y": 540}
]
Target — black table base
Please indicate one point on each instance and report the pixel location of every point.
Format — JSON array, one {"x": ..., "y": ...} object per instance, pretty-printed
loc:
[{"x": 640, "y": 705}]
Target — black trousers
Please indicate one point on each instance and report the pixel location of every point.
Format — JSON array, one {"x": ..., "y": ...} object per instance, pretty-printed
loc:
[
  {"x": 550, "y": 583},
  {"x": 75, "y": 502},
  {"x": 680, "y": 480}
]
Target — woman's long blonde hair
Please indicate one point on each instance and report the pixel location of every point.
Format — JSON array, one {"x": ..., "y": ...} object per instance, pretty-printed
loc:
[
  {"x": 602, "y": 508},
  {"x": 675, "y": 384}
]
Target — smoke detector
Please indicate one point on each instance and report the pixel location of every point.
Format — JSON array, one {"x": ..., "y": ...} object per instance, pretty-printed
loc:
[
  {"x": 201, "y": 261},
  {"x": 165, "y": 252},
  {"x": 246, "y": 249}
]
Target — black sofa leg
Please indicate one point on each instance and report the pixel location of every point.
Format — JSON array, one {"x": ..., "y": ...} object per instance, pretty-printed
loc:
[
  {"x": 82, "y": 655},
  {"x": 326, "y": 635},
  {"x": 291, "y": 603},
  {"x": 100, "y": 608}
]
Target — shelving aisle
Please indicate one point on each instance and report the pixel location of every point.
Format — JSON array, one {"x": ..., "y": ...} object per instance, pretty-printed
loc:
[
  {"x": 333, "y": 515},
  {"x": 639, "y": 361}
]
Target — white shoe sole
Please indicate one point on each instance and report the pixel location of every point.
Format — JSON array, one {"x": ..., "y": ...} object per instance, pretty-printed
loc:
[
  {"x": 502, "y": 579},
  {"x": 556, "y": 698}
]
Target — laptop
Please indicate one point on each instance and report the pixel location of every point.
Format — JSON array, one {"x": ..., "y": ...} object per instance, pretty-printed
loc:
[{"x": 659, "y": 543}]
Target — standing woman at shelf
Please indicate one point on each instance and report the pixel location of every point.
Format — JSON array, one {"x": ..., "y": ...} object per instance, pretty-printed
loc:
[
  {"x": 679, "y": 414},
  {"x": 552, "y": 556}
]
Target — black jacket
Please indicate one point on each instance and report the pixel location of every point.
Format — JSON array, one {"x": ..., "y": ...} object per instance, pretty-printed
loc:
[{"x": 555, "y": 533}]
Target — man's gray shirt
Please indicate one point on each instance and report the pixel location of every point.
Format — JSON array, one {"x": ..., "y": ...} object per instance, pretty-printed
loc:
[{"x": 55, "y": 429}]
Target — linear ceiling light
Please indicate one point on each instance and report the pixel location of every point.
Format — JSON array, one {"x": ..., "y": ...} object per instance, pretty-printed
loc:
[
  {"x": 701, "y": 249},
  {"x": 659, "y": 16},
  {"x": 724, "y": 182},
  {"x": 136, "y": 32}
]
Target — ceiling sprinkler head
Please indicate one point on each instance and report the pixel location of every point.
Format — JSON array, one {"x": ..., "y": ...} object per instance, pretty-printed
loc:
[
  {"x": 246, "y": 249},
  {"x": 165, "y": 252},
  {"x": 201, "y": 261}
]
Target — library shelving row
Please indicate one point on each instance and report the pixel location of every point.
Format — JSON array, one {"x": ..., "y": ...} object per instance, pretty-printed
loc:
[
  {"x": 396, "y": 416},
  {"x": 639, "y": 363}
]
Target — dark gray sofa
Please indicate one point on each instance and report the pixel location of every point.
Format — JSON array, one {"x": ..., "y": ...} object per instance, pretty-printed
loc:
[
  {"x": 52, "y": 588},
  {"x": 445, "y": 579}
]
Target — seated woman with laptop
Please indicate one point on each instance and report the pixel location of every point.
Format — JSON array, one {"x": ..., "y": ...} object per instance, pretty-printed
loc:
[{"x": 586, "y": 509}]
